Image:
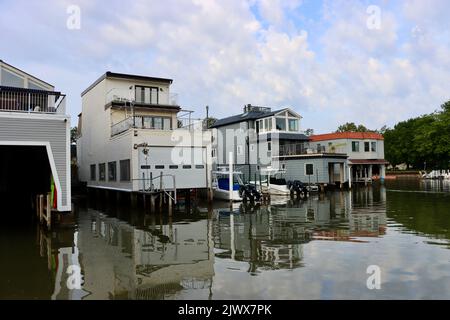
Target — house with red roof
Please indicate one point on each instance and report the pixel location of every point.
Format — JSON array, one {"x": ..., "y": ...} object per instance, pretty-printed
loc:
[{"x": 365, "y": 151}]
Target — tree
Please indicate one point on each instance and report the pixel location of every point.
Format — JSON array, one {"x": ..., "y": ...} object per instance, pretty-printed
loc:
[
  {"x": 208, "y": 122},
  {"x": 73, "y": 135},
  {"x": 309, "y": 132},
  {"x": 352, "y": 127},
  {"x": 419, "y": 140}
]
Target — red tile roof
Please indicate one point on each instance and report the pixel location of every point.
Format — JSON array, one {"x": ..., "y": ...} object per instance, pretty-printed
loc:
[{"x": 347, "y": 135}]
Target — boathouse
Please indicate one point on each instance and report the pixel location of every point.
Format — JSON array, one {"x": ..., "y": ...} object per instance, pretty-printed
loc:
[
  {"x": 34, "y": 140},
  {"x": 134, "y": 137}
]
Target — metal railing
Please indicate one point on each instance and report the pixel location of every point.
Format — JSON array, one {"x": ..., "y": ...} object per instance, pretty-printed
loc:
[
  {"x": 300, "y": 149},
  {"x": 31, "y": 101},
  {"x": 139, "y": 122},
  {"x": 121, "y": 95}
]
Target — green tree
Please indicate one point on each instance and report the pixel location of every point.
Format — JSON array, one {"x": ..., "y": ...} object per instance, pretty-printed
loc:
[
  {"x": 352, "y": 127},
  {"x": 73, "y": 135}
]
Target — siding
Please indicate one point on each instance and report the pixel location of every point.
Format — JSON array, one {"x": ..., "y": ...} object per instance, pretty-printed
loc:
[
  {"x": 295, "y": 169},
  {"x": 41, "y": 130}
]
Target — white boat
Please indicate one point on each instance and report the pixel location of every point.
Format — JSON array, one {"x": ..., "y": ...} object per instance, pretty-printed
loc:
[
  {"x": 275, "y": 185},
  {"x": 221, "y": 185}
]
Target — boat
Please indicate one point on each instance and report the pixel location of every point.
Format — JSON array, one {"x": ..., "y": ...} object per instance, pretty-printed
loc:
[
  {"x": 273, "y": 182},
  {"x": 221, "y": 185}
]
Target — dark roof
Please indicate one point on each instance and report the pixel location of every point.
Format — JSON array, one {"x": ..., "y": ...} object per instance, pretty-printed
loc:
[
  {"x": 251, "y": 115},
  {"x": 26, "y": 90},
  {"x": 110, "y": 74},
  {"x": 287, "y": 136},
  {"x": 30, "y": 75}
]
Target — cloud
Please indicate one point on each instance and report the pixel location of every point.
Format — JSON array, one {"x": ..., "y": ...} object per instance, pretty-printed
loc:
[{"x": 229, "y": 53}]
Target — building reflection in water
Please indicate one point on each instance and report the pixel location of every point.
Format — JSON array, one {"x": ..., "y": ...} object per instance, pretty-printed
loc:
[
  {"x": 273, "y": 237},
  {"x": 161, "y": 258}
]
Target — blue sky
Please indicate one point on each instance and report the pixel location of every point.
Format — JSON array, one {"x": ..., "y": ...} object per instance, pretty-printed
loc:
[{"x": 318, "y": 57}]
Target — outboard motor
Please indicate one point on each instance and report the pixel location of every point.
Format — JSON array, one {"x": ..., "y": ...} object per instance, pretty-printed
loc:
[
  {"x": 249, "y": 193},
  {"x": 298, "y": 188}
]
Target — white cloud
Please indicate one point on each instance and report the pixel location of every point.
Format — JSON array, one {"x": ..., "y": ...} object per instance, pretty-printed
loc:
[{"x": 221, "y": 54}]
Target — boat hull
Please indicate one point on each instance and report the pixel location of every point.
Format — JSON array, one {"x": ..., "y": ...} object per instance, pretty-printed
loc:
[{"x": 221, "y": 194}]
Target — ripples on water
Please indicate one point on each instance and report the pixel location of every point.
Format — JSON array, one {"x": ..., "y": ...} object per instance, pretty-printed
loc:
[{"x": 314, "y": 249}]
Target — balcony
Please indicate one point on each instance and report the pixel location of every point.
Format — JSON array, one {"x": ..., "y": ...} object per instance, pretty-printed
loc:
[
  {"x": 31, "y": 101},
  {"x": 155, "y": 123},
  {"x": 155, "y": 98}
]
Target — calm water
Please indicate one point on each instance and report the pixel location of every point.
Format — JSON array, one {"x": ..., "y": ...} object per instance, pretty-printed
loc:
[{"x": 314, "y": 249}]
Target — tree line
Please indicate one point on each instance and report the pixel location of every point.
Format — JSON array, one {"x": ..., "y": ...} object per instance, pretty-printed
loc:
[{"x": 420, "y": 143}]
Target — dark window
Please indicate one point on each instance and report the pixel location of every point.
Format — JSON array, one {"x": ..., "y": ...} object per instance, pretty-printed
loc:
[
  {"x": 200, "y": 166},
  {"x": 145, "y": 167},
  {"x": 355, "y": 146},
  {"x": 374, "y": 147},
  {"x": 366, "y": 146},
  {"x": 173, "y": 167},
  {"x": 187, "y": 167},
  {"x": 159, "y": 167},
  {"x": 269, "y": 146},
  {"x": 147, "y": 95},
  {"x": 112, "y": 171},
  {"x": 93, "y": 172},
  {"x": 102, "y": 172},
  {"x": 309, "y": 168},
  {"x": 125, "y": 170}
]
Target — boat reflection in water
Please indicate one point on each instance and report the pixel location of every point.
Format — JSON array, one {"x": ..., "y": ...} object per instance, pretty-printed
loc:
[
  {"x": 123, "y": 254},
  {"x": 272, "y": 237}
]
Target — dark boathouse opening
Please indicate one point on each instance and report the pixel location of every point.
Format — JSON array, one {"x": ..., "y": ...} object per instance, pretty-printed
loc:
[{"x": 24, "y": 173}]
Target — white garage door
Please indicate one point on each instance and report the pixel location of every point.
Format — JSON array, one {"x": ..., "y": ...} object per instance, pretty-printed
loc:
[{"x": 187, "y": 164}]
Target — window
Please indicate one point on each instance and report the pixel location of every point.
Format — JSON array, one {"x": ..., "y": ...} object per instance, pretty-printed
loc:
[
  {"x": 293, "y": 125},
  {"x": 239, "y": 150},
  {"x": 112, "y": 171},
  {"x": 268, "y": 124},
  {"x": 93, "y": 172},
  {"x": 187, "y": 167},
  {"x": 33, "y": 85},
  {"x": 159, "y": 167},
  {"x": 102, "y": 172},
  {"x": 10, "y": 79},
  {"x": 374, "y": 146},
  {"x": 269, "y": 146},
  {"x": 125, "y": 173},
  {"x": 158, "y": 123},
  {"x": 281, "y": 124},
  {"x": 199, "y": 166},
  {"x": 309, "y": 169},
  {"x": 173, "y": 167},
  {"x": 146, "y": 167},
  {"x": 147, "y": 95},
  {"x": 355, "y": 146},
  {"x": 366, "y": 146}
]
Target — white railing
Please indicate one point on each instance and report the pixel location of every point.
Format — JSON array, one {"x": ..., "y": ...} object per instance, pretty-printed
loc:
[
  {"x": 120, "y": 95},
  {"x": 31, "y": 101},
  {"x": 138, "y": 123}
]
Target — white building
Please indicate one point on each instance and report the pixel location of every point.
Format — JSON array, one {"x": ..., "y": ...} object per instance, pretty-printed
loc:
[
  {"x": 131, "y": 130},
  {"x": 365, "y": 152},
  {"x": 34, "y": 139}
]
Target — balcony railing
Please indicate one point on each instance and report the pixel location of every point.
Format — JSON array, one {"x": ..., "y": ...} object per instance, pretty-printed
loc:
[
  {"x": 296, "y": 149},
  {"x": 31, "y": 101},
  {"x": 159, "y": 98},
  {"x": 142, "y": 122}
]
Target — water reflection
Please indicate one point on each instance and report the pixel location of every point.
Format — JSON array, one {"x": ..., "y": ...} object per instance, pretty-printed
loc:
[
  {"x": 273, "y": 237},
  {"x": 290, "y": 249}
]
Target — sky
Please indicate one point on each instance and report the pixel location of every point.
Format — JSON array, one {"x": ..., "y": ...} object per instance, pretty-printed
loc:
[{"x": 370, "y": 62}]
